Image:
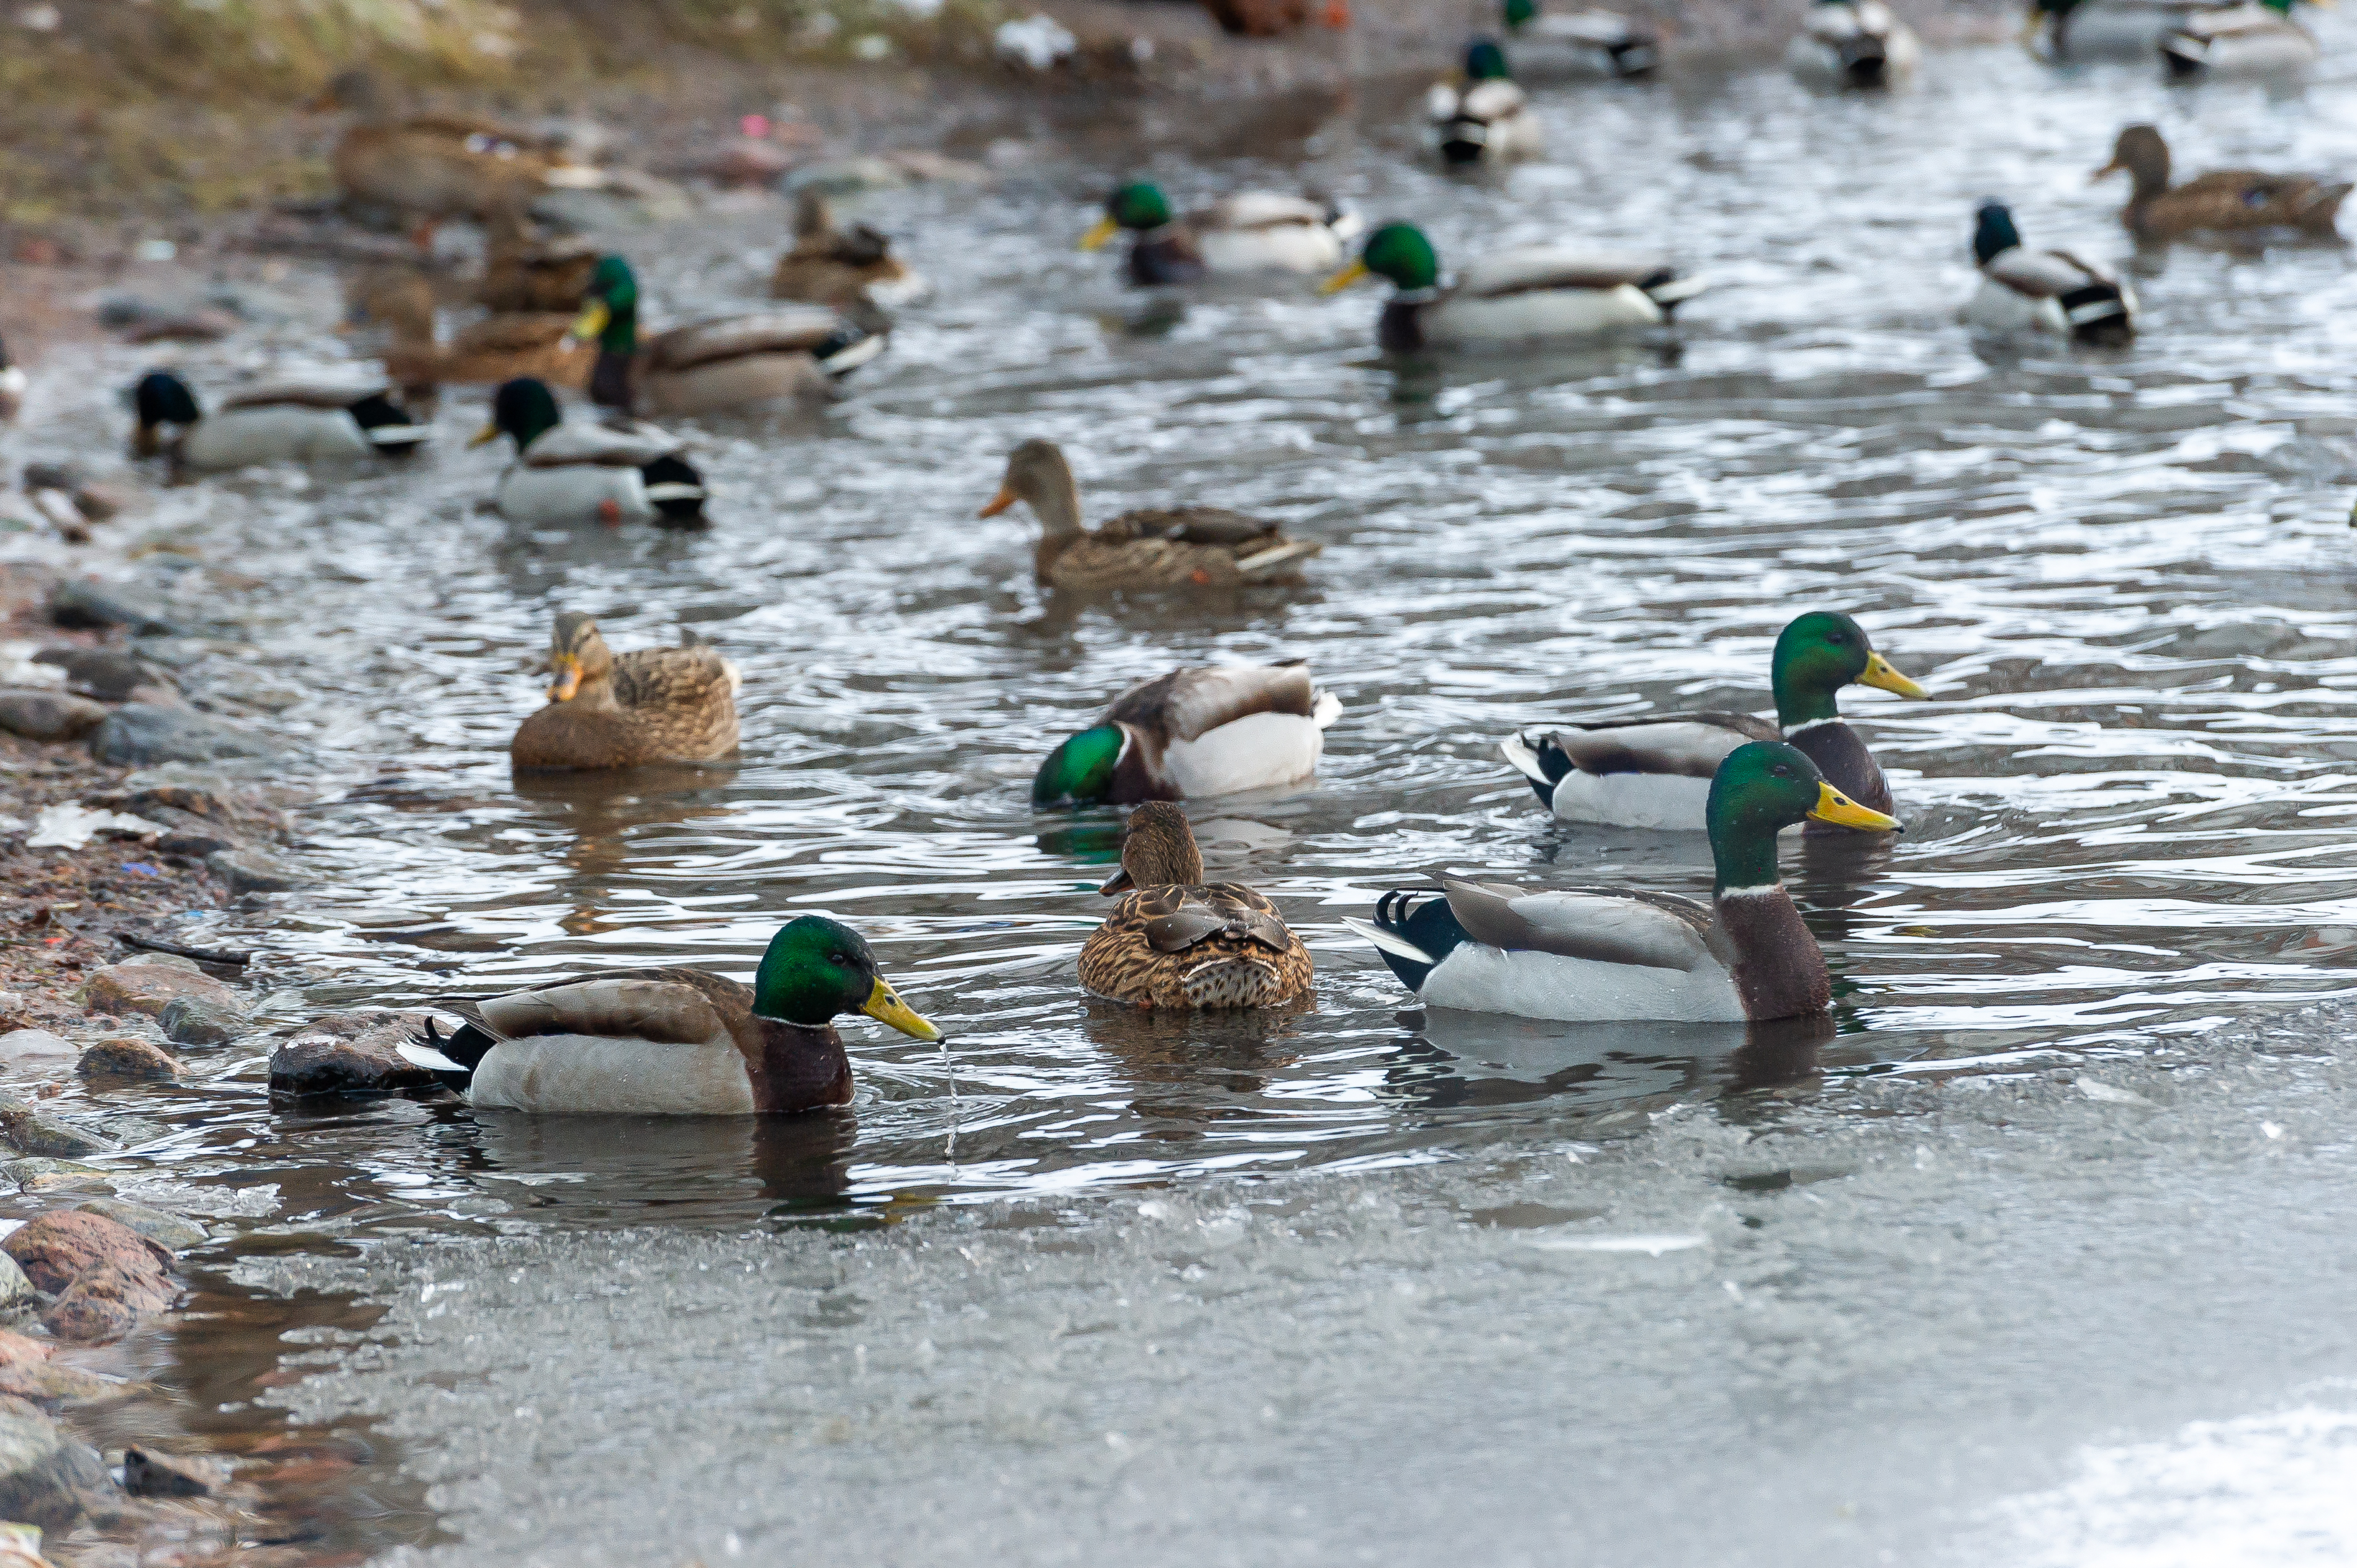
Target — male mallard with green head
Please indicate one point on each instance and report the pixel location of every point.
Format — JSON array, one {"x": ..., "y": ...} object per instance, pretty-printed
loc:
[
  {"x": 1599, "y": 43},
  {"x": 302, "y": 419},
  {"x": 1175, "y": 940},
  {"x": 677, "y": 1042},
  {"x": 2024, "y": 290},
  {"x": 2257, "y": 38},
  {"x": 1532, "y": 294},
  {"x": 1153, "y": 549},
  {"x": 1220, "y": 730},
  {"x": 1250, "y": 232},
  {"x": 1658, "y": 771},
  {"x": 1597, "y": 954},
  {"x": 612, "y": 470},
  {"x": 2224, "y": 201},
  {"x": 1857, "y": 44},
  {"x": 2073, "y": 30},
  {"x": 1483, "y": 117},
  {"x": 705, "y": 367},
  {"x": 652, "y": 704}
]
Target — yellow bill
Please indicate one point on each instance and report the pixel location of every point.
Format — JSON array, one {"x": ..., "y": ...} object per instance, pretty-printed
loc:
[
  {"x": 1005, "y": 498},
  {"x": 1880, "y": 676},
  {"x": 485, "y": 437},
  {"x": 1101, "y": 231},
  {"x": 1838, "y": 809},
  {"x": 1344, "y": 278},
  {"x": 591, "y": 322},
  {"x": 883, "y": 1005},
  {"x": 568, "y": 678}
]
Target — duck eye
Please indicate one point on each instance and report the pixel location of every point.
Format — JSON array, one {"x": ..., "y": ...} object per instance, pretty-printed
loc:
[
  {"x": 834, "y": 957},
  {"x": 1782, "y": 772}
]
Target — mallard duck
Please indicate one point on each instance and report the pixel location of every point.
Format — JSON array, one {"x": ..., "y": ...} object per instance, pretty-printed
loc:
[
  {"x": 1656, "y": 772},
  {"x": 2255, "y": 39},
  {"x": 1528, "y": 294},
  {"x": 2051, "y": 291},
  {"x": 1483, "y": 117},
  {"x": 1853, "y": 44},
  {"x": 2224, "y": 200},
  {"x": 1593, "y": 954},
  {"x": 293, "y": 420},
  {"x": 675, "y": 1042},
  {"x": 1175, "y": 940},
  {"x": 1597, "y": 42},
  {"x": 829, "y": 266},
  {"x": 651, "y": 704},
  {"x": 1143, "y": 550},
  {"x": 1250, "y": 232},
  {"x": 437, "y": 165},
  {"x": 2062, "y": 30},
  {"x": 613, "y": 471},
  {"x": 1219, "y": 730},
  {"x": 730, "y": 361},
  {"x": 12, "y": 384},
  {"x": 525, "y": 269},
  {"x": 400, "y": 304}
]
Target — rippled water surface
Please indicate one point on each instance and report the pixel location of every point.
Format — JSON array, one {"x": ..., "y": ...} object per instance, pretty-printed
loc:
[{"x": 2126, "y": 578}]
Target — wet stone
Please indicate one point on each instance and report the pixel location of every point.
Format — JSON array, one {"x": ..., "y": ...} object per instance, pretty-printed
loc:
[
  {"x": 107, "y": 1302},
  {"x": 48, "y": 715},
  {"x": 33, "y": 1132},
  {"x": 252, "y": 871},
  {"x": 13, "y": 1286},
  {"x": 199, "y": 1021},
  {"x": 175, "y": 788},
  {"x": 147, "y": 1474},
  {"x": 348, "y": 1053},
  {"x": 26, "y": 1047},
  {"x": 58, "y": 1248},
  {"x": 48, "y": 1175},
  {"x": 139, "y": 733},
  {"x": 101, "y": 672},
  {"x": 44, "y": 1474},
  {"x": 145, "y": 986},
  {"x": 50, "y": 1384},
  {"x": 81, "y": 604},
  {"x": 125, "y": 1055},
  {"x": 172, "y": 1230}
]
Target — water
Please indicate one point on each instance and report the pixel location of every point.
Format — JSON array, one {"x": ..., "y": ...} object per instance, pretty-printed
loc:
[{"x": 2125, "y": 578}]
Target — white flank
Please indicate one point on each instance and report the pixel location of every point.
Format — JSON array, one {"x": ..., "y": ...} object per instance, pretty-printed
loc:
[
  {"x": 1280, "y": 247},
  {"x": 847, "y": 360},
  {"x": 590, "y": 1075},
  {"x": 280, "y": 434},
  {"x": 1259, "y": 751},
  {"x": 1390, "y": 941},
  {"x": 1325, "y": 709},
  {"x": 1671, "y": 802},
  {"x": 1578, "y": 990},
  {"x": 573, "y": 494},
  {"x": 1994, "y": 307},
  {"x": 1541, "y": 314}
]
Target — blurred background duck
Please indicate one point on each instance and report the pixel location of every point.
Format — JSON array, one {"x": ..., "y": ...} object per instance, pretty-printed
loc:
[
  {"x": 1656, "y": 771},
  {"x": 2221, "y": 201},
  {"x": 295, "y": 419},
  {"x": 2024, "y": 290},
  {"x": 652, "y": 704},
  {"x": 1596, "y": 954},
  {"x": 527, "y": 269},
  {"x": 609, "y": 471},
  {"x": 1530, "y": 293},
  {"x": 1249, "y": 231},
  {"x": 2257, "y": 39},
  {"x": 2064, "y": 31},
  {"x": 836, "y": 266},
  {"x": 1176, "y": 941},
  {"x": 396, "y": 305},
  {"x": 1853, "y": 44},
  {"x": 675, "y": 1041},
  {"x": 1590, "y": 43},
  {"x": 13, "y": 384},
  {"x": 389, "y": 163},
  {"x": 1482, "y": 116},
  {"x": 723, "y": 362},
  {"x": 1155, "y": 548},
  {"x": 1194, "y": 733}
]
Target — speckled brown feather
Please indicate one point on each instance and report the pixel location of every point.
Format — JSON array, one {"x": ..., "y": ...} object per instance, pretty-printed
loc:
[
  {"x": 1153, "y": 549},
  {"x": 2224, "y": 200},
  {"x": 663, "y": 704},
  {"x": 1218, "y": 945}
]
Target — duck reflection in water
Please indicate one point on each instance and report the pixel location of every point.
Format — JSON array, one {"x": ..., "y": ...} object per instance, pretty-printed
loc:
[
  {"x": 1459, "y": 1060},
  {"x": 1188, "y": 1070},
  {"x": 601, "y": 811},
  {"x": 603, "y": 1170}
]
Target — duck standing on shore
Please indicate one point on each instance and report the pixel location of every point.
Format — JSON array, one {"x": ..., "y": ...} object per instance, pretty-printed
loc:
[
  {"x": 652, "y": 704},
  {"x": 1599, "y": 954},
  {"x": 675, "y": 1041},
  {"x": 1532, "y": 294},
  {"x": 1176, "y": 941},
  {"x": 723, "y": 362},
  {"x": 1249, "y": 231},
  {"x": 2221, "y": 201}
]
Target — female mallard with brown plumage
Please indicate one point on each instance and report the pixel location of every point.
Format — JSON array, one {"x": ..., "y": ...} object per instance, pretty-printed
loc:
[
  {"x": 705, "y": 367},
  {"x": 675, "y": 1041},
  {"x": 654, "y": 704},
  {"x": 526, "y": 269},
  {"x": 2224, "y": 201},
  {"x": 400, "y": 301},
  {"x": 1595, "y": 954},
  {"x": 1175, "y": 940},
  {"x": 833, "y": 266},
  {"x": 435, "y": 164},
  {"x": 1154, "y": 548}
]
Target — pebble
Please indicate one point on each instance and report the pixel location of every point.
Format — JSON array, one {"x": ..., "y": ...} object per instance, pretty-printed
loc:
[
  {"x": 146, "y": 1475},
  {"x": 58, "y": 1248},
  {"x": 145, "y": 987},
  {"x": 44, "y": 1475},
  {"x": 87, "y": 603},
  {"x": 139, "y": 733},
  {"x": 252, "y": 871},
  {"x": 348, "y": 1053},
  {"x": 124, "y": 1055},
  {"x": 176, "y": 1231},
  {"x": 197, "y": 1021},
  {"x": 33, "y": 1132},
  {"x": 48, "y": 715},
  {"x": 47, "y": 1176}
]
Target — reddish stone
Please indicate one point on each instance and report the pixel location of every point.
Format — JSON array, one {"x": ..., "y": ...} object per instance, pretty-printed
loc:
[
  {"x": 108, "y": 1302},
  {"x": 61, "y": 1246},
  {"x": 149, "y": 988}
]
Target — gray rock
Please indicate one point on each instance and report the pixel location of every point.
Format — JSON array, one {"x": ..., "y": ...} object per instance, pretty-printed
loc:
[
  {"x": 348, "y": 1053},
  {"x": 101, "y": 672},
  {"x": 143, "y": 733},
  {"x": 44, "y": 1474},
  {"x": 197, "y": 1021},
  {"x": 31, "y": 1131},
  {"x": 86, "y": 603},
  {"x": 127, "y": 1055},
  {"x": 27, "y": 1046},
  {"x": 14, "y": 1286},
  {"x": 151, "y": 1475},
  {"x": 189, "y": 798},
  {"x": 250, "y": 871},
  {"x": 161, "y": 960},
  {"x": 53, "y": 475},
  {"x": 170, "y": 1229},
  {"x": 44, "y": 715}
]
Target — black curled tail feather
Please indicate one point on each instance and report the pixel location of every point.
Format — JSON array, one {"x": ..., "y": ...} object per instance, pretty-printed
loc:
[
  {"x": 2098, "y": 314},
  {"x": 675, "y": 490},
  {"x": 468, "y": 1047},
  {"x": 1423, "y": 919}
]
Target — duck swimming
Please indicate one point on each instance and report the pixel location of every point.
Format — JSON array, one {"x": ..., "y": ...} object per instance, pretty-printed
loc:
[
  {"x": 607, "y": 471},
  {"x": 725, "y": 362},
  {"x": 2048, "y": 291},
  {"x": 1250, "y": 232},
  {"x": 1219, "y": 730},
  {"x": 832, "y": 266},
  {"x": 1483, "y": 117},
  {"x": 1856, "y": 44},
  {"x": 1596, "y": 954},
  {"x": 676, "y": 1041},
  {"x": 652, "y": 704},
  {"x": 292, "y": 419},
  {"x": 1532, "y": 294},
  {"x": 1600, "y": 43},
  {"x": 2222, "y": 202},
  {"x": 1176, "y": 941}
]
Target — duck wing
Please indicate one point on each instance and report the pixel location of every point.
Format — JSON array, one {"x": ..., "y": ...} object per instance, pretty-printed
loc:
[
  {"x": 1529, "y": 268},
  {"x": 617, "y": 444},
  {"x": 668, "y": 1007},
  {"x": 1688, "y": 745},
  {"x": 786, "y": 330},
  {"x": 326, "y": 391},
  {"x": 1175, "y": 918},
  {"x": 1257, "y": 209},
  {"x": 673, "y": 678},
  {"x": 2246, "y": 199},
  {"x": 2040, "y": 275},
  {"x": 1194, "y": 525},
  {"x": 1609, "y": 925},
  {"x": 511, "y": 332},
  {"x": 1188, "y": 704}
]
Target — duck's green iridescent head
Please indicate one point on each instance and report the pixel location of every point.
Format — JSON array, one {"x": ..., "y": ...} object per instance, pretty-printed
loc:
[
  {"x": 1485, "y": 60},
  {"x": 1080, "y": 772},
  {"x": 1762, "y": 788},
  {"x": 816, "y": 970},
  {"x": 1138, "y": 207},
  {"x": 1994, "y": 232},
  {"x": 1519, "y": 13},
  {"x": 609, "y": 307},
  {"x": 525, "y": 409},
  {"x": 1818, "y": 654},
  {"x": 1396, "y": 251}
]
